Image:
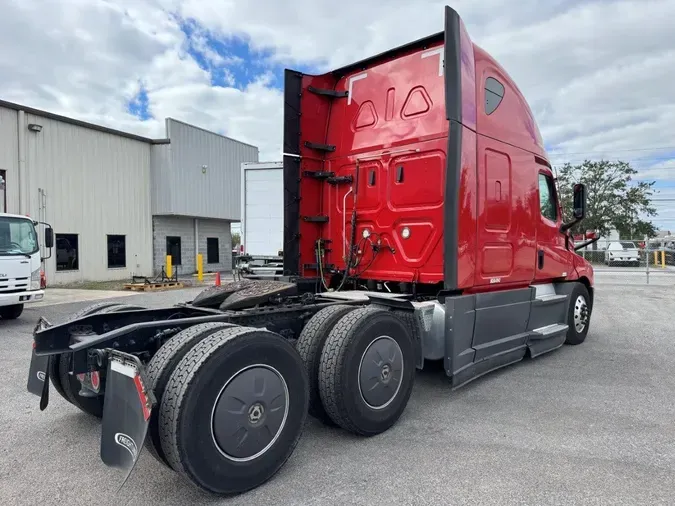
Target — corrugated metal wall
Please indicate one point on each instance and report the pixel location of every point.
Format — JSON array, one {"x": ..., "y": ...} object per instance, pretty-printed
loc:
[
  {"x": 9, "y": 156},
  {"x": 96, "y": 183},
  {"x": 184, "y": 188}
]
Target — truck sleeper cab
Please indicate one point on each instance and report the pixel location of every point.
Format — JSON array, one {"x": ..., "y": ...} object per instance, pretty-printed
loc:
[
  {"x": 421, "y": 223},
  {"x": 422, "y": 170}
]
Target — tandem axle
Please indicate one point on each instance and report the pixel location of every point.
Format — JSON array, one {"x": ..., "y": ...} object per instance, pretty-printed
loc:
[{"x": 164, "y": 378}]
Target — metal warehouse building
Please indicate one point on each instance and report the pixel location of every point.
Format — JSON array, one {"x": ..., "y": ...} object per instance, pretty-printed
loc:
[{"x": 118, "y": 202}]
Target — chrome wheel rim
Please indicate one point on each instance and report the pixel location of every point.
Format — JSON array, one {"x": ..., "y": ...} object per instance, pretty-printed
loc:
[{"x": 580, "y": 314}]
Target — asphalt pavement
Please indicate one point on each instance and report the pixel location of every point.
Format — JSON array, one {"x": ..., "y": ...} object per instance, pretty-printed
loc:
[{"x": 591, "y": 424}]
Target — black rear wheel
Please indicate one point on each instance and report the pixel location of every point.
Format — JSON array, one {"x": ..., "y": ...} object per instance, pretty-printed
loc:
[
  {"x": 367, "y": 370},
  {"x": 162, "y": 365},
  {"x": 68, "y": 385},
  {"x": 11, "y": 312},
  {"x": 309, "y": 346},
  {"x": 71, "y": 387},
  {"x": 233, "y": 409}
]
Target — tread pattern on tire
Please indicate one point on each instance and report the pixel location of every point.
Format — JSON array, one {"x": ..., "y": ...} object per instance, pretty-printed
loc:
[
  {"x": 309, "y": 346},
  {"x": 161, "y": 365},
  {"x": 332, "y": 362},
  {"x": 176, "y": 388}
]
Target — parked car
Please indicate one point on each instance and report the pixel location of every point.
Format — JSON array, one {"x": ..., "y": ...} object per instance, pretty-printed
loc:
[{"x": 622, "y": 253}]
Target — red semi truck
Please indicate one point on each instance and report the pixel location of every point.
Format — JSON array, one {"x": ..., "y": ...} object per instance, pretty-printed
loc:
[{"x": 421, "y": 224}]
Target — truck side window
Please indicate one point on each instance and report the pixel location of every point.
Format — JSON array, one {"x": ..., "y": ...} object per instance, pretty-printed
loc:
[
  {"x": 494, "y": 93},
  {"x": 547, "y": 203}
]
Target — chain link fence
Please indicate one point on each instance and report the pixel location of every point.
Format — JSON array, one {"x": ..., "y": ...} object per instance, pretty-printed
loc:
[{"x": 637, "y": 259}]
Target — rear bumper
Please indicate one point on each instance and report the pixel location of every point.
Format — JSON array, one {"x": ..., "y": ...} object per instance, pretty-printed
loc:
[{"x": 8, "y": 299}]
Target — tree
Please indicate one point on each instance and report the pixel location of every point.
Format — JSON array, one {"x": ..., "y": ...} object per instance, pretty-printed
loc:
[
  {"x": 236, "y": 240},
  {"x": 613, "y": 199}
]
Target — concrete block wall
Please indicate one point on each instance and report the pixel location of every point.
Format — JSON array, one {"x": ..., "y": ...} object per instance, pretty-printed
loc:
[
  {"x": 184, "y": 227},
  {"x": 221, "y": 230},
  {"x": 179, "y": 226}
]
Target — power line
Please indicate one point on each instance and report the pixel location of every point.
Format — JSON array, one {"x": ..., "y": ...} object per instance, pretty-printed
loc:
[{"x": 610, "y": 150}]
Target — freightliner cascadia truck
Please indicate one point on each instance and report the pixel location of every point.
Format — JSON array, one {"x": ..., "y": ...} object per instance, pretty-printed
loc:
[{"x": 421, "y": 223}]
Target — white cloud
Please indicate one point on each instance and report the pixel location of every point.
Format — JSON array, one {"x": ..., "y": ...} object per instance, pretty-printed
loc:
[{"x": 597, "y": 73}]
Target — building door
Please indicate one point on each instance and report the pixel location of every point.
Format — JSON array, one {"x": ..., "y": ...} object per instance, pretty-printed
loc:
[{"x": 173, "y": 249}]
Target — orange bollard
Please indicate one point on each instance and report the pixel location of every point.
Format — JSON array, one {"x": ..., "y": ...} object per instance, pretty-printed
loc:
[{"x": 217, "y": 278}]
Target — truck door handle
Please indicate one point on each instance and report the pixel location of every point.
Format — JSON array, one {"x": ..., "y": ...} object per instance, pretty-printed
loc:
[{"x": 540, "y": 258}]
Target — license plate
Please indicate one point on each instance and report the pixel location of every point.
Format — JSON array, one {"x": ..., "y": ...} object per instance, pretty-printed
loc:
[{"x": 127, "y": 407}]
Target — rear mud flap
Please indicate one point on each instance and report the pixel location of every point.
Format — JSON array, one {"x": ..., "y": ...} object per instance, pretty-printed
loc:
[
  {"x": 38, "y": 371},
  {"x": 126, "y": 412},
  {"x": 38, "y": 378}
]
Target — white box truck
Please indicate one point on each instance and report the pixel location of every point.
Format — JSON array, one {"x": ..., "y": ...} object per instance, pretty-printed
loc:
[
  {"x": 21, "y": 276},
  {"x": 262, "y": 219}
]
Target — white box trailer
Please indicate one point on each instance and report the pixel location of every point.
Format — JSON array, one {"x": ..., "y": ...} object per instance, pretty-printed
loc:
[{"x": 262, "y": 219}]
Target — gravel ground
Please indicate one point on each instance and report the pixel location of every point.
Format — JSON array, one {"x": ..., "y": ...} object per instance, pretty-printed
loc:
[{"x": 591, "y": 424}]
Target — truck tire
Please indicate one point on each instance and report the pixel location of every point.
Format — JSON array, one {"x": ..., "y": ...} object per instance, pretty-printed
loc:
[
  {"x": 365, "y": 345},
  {"x": 67, "y": 385},
  {"x": 237, "y": 377},
  {"x": 578, "y": 315},
  {"x": 54, "y": 363},
  {"x": 309, "y": 346},
  {"x": 11, "y": 312},
  {"x": 71, "y": 387},
  {"x": 162, "y": 365},
  {"x": 55, "y": 376}
]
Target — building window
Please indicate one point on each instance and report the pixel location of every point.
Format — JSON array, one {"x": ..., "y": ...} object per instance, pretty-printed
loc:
[
  {"x": 67, "y": 252},
  {"x": 494, "y": 93},
  {"x": 117, "y": 251},
  {"x": 173, "y": 249},
  {"x": 212, "y": 255},
  {"x": 547, "y": 199}
]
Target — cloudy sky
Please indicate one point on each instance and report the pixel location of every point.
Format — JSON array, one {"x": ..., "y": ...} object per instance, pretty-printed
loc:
[{"x": 597, "y": 73}]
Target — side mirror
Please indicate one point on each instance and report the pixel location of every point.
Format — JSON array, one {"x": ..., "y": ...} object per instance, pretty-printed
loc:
[
  {"x": 579, "y": 205},
  {"x": 579, "y": 201},
  {"x": 49, "y": 237}
]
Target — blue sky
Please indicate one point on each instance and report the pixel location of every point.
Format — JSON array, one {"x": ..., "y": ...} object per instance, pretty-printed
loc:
[
  {"x": 594, "y": 82},
  {"x": 230, "y": 61}
]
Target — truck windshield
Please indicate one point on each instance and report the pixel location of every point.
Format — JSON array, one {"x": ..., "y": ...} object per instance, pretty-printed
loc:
[{"x": 17, "y": 236}]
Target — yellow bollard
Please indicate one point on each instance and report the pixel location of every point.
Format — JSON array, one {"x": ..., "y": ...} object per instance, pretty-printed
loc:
[
  {"x": 200, "y": 267},
  {"x": 168, "y": 266},
  {"x": 663, "y": 259},
  {"x": 656, "y": 258}
]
